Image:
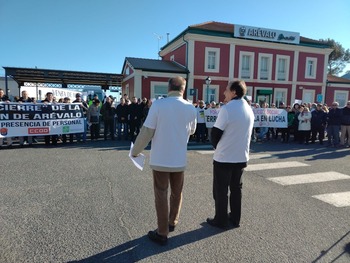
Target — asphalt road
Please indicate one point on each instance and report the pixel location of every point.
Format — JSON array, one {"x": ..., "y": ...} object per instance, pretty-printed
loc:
[{"x": 88, "y": 203}]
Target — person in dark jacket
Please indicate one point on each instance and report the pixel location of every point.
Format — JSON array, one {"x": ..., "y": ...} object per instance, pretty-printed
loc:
[
  {"x": 135, "y": 115},
  {"x": 108, "y": 112},
  {"x": 333, "y": 124},
  {"x": 3, "y": 96},
  {"x": 345, "y": 125},
  {"x": 49, "y": 99},
  {"x": 122, "y": 116},
  {"x": 25, "y": 139},
  {"x": 84, "y": 106},
  {"x": 296, "y": 110},
  {"x": 318, "y": 123},
  {"x": 290, "y": 117}
]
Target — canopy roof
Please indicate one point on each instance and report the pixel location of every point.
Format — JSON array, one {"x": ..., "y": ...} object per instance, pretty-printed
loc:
[{"x": 64, "y": 77}]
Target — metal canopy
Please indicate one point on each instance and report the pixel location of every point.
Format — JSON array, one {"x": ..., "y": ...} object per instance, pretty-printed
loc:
[{"x": 35, "y": 75}]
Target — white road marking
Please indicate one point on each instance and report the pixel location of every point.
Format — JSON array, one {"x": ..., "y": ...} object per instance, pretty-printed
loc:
[
  {"x": 279, "y": 165},
  {"x": 337, "y": 199},
  {"x": 206, "y": 152},
  {"x": 251, "y": 156},
  {"x": 309, "y": 178},
  {"x": 259, "y": 156}
]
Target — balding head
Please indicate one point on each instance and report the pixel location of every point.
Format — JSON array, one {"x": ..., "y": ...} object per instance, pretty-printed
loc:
[{"x": 177, "y": 84}]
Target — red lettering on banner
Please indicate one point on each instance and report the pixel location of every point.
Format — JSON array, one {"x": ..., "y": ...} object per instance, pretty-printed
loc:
[{"x": 38, "y": 130}]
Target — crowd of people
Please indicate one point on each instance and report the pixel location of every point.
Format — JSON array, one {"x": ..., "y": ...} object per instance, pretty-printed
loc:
[
  {"x": 307, "y": 122},
  {"x": 118, "y": 121}
]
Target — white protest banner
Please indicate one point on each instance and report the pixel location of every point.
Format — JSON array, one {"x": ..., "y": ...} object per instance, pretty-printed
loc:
[
  {"x": 29, "y": 119},
  {"x": 210, "y": 117},
  {"x": 270, "y": 117}
]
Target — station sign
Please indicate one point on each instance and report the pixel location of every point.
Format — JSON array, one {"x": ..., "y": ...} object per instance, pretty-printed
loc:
[{"x": 259, "y": 33}]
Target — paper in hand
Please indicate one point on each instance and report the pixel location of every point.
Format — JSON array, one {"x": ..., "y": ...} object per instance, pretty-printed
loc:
[{"x": 138, "y": 161}]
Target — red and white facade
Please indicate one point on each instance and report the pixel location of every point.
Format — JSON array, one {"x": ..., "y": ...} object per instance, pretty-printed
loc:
[{"x": 277, "y": 66}]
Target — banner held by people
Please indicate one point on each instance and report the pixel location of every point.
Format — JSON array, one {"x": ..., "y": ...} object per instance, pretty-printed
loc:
[
  {"x": 28, "y": 119},
  {"x": 270, "y": 117}
]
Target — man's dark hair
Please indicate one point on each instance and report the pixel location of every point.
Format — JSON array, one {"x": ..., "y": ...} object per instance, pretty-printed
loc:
[
  {"x": 177, "y": 83},
  {"x": 240, "y": 88}
]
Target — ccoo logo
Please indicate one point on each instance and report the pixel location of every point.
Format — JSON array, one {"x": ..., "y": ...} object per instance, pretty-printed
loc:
[{"x": 38, "y": 130}]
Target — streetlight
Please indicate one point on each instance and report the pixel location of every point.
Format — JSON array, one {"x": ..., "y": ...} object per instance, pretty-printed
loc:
[{"x": 208, "y": 81}]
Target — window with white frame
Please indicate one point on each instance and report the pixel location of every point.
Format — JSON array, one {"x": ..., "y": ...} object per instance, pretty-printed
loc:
[
  {"x": 265, "y": 66},
  {"x": 159, "y": 90},
  {"x": 249, "y": 93},
  {"x": 310, "y": 68},
  {"x": 308, "y": 96},
  {"x": 211, "y": 94},
  {"x": 282, "y": 68},
  {"x": 341, "y": 97},
  {"x": 246, "y": 65},
  {"x": 212, "y": 59},
  {"x": 172, "y": 57},
  {"x": 280, "y": 96}
]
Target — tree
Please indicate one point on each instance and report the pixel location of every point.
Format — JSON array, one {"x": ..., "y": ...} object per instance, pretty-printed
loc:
[{"x": 338, "y": 58}]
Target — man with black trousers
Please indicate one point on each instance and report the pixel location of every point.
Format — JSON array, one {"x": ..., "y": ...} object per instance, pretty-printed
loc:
[
  {"x": 231, "y": 136},
  {"x": 135, "y": 115},
  {"x": 318, "y": 123},
  {"x": 108, "y": 112}
]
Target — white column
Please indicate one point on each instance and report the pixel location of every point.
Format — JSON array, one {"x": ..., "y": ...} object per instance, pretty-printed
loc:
[
  {"x": 231, "y": 62},
  {"x": 190, "y": 67},
  {"x": 138, "y": 83},
  {"x": 323, "y": 91},
  {"x": 295, "y": 76}
]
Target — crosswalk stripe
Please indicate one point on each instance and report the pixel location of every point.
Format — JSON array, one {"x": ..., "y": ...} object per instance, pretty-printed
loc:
[
  {"x": 337, "y": 199},
  {"x": 206, "y": 152},
  {"x": 259, "y": 156},
  {"x": 278, "y": 165},
  {"x": 251, "y": 156},
  {"x": 309, "y": 178}
]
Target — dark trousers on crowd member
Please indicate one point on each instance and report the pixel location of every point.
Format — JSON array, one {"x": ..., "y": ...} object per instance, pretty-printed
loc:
[
  {"x": 64, "y": 138},
  {"x": 95, "y": 131},
  {"x": 134, "y": 129},
  {"x": 109, "y": 127},
  {"x": 283, "y": 132},
  {"x": 123, "y": 126},
  {"x": 333, "y": 134},
  {"x": 304, "y": 137},
  {"x": 228, "y": 175},
  {"x": 200, "y": 132},
  {"x": 288, "y": 131},
  {"x": 317, "y": 130},
  {"x": 296, "y": 134},
  {"x": 53, "y": 139},
  {"x": 167, "y": 216}
]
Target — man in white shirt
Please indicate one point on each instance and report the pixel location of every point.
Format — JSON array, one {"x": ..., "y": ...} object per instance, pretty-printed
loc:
[
  {"x": 169, "y": 124},
  {"x": 201, "y": 129},
  {"x": 231, "y": 136}
]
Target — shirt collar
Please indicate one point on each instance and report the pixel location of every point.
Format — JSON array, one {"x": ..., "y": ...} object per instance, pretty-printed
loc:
[{"x": 174, "y": 93}]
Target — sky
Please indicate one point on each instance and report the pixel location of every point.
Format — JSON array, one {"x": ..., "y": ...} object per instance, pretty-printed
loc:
[{"x": 97, "y": 35}]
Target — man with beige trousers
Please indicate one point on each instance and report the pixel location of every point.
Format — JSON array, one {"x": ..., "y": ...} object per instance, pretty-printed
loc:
[{"x": 169, "y": 124}]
